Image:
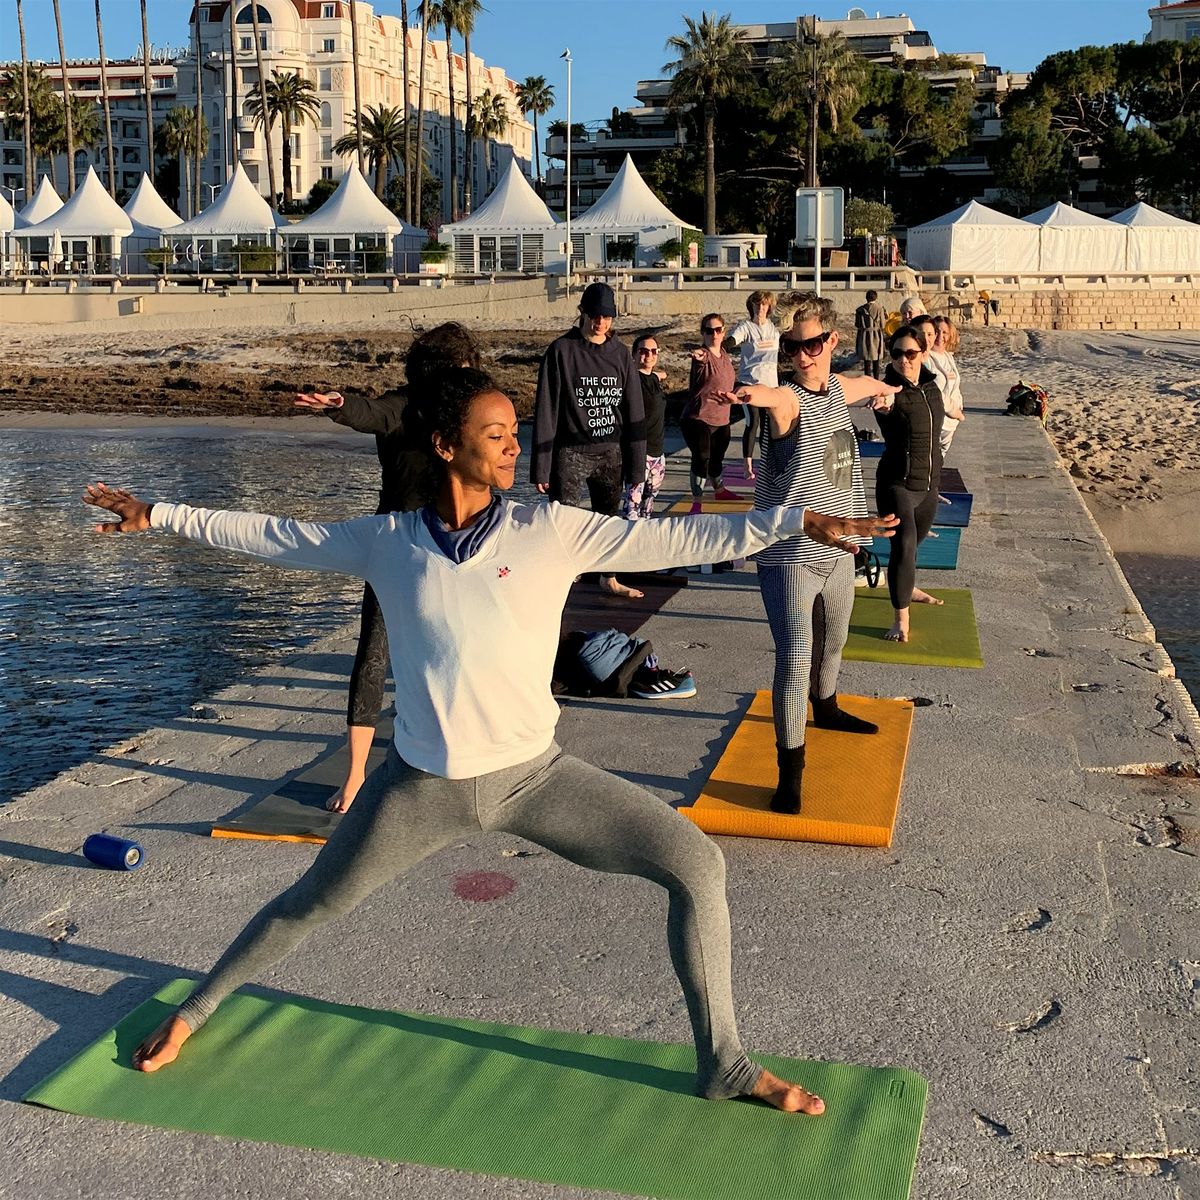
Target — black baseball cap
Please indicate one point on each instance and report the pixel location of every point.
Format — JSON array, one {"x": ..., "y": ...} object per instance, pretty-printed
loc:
[{"x": 598, "y": 301}]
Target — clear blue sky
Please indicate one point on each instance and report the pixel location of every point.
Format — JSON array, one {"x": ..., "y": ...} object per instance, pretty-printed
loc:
[{"x": 618, "y": 42}]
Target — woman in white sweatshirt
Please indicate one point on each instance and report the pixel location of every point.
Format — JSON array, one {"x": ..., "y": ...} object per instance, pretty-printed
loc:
[{"x": 472, "y": 588}]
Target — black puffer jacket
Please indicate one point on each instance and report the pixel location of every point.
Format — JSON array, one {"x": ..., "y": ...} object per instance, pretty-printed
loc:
[{"x": 913, "y": 456}]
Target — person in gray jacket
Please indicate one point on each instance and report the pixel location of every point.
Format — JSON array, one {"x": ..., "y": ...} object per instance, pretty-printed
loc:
[{"x": 868, "y": 324}]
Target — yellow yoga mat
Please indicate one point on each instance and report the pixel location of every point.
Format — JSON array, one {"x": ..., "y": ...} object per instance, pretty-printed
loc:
[
  {"x": 683, "y": 508},
  {"x": 851, "y": 788}
]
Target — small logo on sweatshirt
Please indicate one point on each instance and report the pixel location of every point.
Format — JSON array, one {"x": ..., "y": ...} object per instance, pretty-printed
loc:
[{"x": 503, "y": 572}]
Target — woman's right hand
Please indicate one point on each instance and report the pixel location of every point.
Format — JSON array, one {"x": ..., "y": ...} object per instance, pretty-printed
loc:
[
  {"x": 319, "y": 401},
  {"x": 838, "y": 531},
  {"x": 134, "y": 513}
]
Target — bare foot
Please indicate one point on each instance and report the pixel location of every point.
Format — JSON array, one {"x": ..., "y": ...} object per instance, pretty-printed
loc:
[
  {"x": 614, "y": 587},
  {"x": 899, "y": 629},
  {"x": 341, "y": 800},
  {"x": 749, "y": 466},
  {"x": 787, "y": 1097},
  {"x": 920, "y": 597},
  {"x": 162, "y": 1046}
]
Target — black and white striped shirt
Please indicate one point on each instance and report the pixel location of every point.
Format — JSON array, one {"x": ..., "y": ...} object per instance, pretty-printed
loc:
[{"x": 815, "y": 466}]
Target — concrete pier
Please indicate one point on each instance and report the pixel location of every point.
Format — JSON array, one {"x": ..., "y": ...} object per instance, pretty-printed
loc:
[{"x": 1030, "y": 943}]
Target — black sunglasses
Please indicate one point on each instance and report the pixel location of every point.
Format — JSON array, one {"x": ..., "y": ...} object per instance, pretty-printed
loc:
[
  {"x": 811, "y": 346},
  {"x": 713, "y": 329},
  {"x": 647, "y": 349},
  {"x": 906, "y": 354}
]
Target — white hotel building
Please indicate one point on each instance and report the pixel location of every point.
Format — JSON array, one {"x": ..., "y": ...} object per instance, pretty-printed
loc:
[{"x": 312, "y": 37}]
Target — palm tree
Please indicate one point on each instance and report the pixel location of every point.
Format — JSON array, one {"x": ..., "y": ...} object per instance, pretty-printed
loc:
[
  {"x": 357, "y": 100},
  {"x": 839, "y": 76},
  {"x": 713, "y": 61},
  {"x": 26, "y": 114},
  {"x": 52, "y": 135},
  {"x": 408, "y": 213},
  {"x": 263, "y": 102},
  {"x": 147, "y": 88},
  {"x": 67, "y": 114},
  {"x": 382, "y": 137},
  {"x": 176, "y": 136},
  {"x": 291, "y": 100},
  {"x": 489, "y": 119},
  {"x": 34, "y": 95},
  {"x": 112, "y": 166},
  {"x": 535, "y": 96},
  {"x": 445, "y": 13},
  {"x": 234, "y": 133},
  {"x": 199, "y": 107},
  {"x": 465, "y": 12},
  {"x": 423, "y": 12}
]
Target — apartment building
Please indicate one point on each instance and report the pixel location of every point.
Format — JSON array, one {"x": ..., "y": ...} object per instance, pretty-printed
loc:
[
  {"x": 127, "y": 99},
  {"x": 649, "y": 127},
  {"x": 1178, "y": 22},
  {"x": 313, "y": 38}
]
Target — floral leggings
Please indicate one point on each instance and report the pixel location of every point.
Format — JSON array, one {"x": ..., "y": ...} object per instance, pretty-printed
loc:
[{"x": 638, "y": 500}]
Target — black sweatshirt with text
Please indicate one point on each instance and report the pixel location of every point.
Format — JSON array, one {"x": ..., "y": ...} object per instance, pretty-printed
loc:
[{"x": 588, "y": 396}]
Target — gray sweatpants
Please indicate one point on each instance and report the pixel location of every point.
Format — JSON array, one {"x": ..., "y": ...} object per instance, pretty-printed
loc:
[
  {"x": 570, "y": 807},
  {"x": 808, "y": 609}
]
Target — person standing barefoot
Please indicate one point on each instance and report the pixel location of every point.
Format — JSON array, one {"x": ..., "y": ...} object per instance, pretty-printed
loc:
[{"x": 479, "y": 584}]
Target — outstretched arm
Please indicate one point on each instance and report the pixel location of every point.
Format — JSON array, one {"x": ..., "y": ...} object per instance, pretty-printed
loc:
[
  {"x": 609, "y": 544},
  {"x": 384, "y": 414},
  {"x": 342, "y": 546},
  {"x": 865, "y": 388}
]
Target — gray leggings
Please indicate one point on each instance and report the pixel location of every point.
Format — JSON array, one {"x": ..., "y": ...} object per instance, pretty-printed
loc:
[
  {"x": 808, "y": 609},
  {"x": 572, "y": 808}
]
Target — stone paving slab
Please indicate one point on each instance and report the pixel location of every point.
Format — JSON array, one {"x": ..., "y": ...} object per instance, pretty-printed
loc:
[{"x": 1029, "y": 942}]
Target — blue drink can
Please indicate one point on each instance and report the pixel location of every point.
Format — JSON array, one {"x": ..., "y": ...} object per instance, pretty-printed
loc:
[{"x": 115, "y": 853}]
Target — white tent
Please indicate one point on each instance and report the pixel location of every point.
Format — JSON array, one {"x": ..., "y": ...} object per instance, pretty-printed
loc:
[
  {"x": 974, "y": 239},
  {"x": 627, "y": 212},
  {"x": 45, "y": 203},
  {"x": 353, "y": 229},
  {"x": 1160, "y": 242},
  {"x": 150, "y": 215},
  {"x": 1077, "y": 242},
  {"x": 8, "y": 221},
  {"x": 239, "y": 215},
  {"x": 89, "y": 229},
  {"x": 512, "y": 230}
]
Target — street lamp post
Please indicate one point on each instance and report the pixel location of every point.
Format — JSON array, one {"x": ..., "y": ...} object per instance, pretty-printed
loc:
[
  {"x": 12, "y": 193},
  {"x": 810, "y": 172},
  {"x": 566, "y": 54},
  {"x": 214, "y": 188}
]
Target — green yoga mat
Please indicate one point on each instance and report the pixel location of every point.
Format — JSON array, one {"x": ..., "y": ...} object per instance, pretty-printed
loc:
[
  {"x": 940, "y": 635},
  {"x": 564, "y": 1108}
]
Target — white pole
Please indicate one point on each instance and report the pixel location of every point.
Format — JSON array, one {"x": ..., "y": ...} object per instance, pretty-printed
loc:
[
  {"x": 567, "y": 55},
  {"x": 817, "y": 250}
]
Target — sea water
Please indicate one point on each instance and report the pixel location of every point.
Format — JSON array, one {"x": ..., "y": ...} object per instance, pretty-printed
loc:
[{"x": 102, "y": 637}]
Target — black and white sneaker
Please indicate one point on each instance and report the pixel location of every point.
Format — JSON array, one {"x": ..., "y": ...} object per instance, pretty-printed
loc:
[{"x": 663, "y": 685}]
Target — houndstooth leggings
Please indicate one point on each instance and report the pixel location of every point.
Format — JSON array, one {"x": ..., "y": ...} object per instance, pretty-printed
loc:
[
  {"x": 808, "y": 609},
  {"x": 570, "y": 807}
]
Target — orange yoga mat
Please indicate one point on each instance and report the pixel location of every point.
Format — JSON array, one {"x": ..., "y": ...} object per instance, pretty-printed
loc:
[
  {"x": 851, "y": 788},
  {"x": 683, "y": 508}
]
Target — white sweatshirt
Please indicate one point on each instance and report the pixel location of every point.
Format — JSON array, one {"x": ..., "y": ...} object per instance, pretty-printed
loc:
[{"x": 473, "y": 643}]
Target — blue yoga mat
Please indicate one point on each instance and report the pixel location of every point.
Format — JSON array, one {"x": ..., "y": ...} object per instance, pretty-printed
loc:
[
  {"x": 958, "y": 512},
  {"x": 938, "y": 552},
  {"x": 871, "y": 449}
]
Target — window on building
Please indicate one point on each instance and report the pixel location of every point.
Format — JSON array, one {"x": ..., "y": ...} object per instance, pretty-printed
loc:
[
  {"x": 326, "y": 172},
  {"x": 12, "y": 158},
  {"x": 295, "y": 145},
  {"x": 1191, "y": 31},
  {"x": 131, "y": 129},
  {"x": 131, "y": 154},
  {"x": 246, "y": 44},
  {"x": 328, "y": 11},
  {"x": 329, "y": 45},
  {"x": 246, "y": 17},
  {"x": 14, "y": 182},
  {"x": 326, "y": 146},
  {"x": 163, "y": 82},
  {"x": 326, "y": 115},
  {"x": 487, "y": 255},
  {"x": 246, "y": 139},
  {"x": 510, "y": 254},
  {"x": 130, "y": 179},
  {"x": 325, "y": 79}
]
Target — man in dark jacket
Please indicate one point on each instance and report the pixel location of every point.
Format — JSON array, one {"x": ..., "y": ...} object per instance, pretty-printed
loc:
[{"x": 589, "y": 429}]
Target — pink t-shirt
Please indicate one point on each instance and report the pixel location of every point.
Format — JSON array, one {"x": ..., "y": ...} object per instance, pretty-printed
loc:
[{"x": 710, "y": 376}]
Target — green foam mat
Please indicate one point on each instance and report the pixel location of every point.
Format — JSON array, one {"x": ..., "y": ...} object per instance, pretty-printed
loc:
[
  {"x": 942, "y": 635},
  {"x": 562, "y": 1108},
  {"x": 937, "y": 552}
]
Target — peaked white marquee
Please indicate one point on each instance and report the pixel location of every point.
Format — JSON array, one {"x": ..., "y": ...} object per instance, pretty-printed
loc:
[
  {"x": 512, "y": 205},
  {"x": 627, "y": 204},
  {"x": 148, "y": 210},
  {"x": 239, "y": 209},
  {"x": 45, "y": 203},
  {"x": 352, "y": 208},
  {"x": 91, "y": 212}
]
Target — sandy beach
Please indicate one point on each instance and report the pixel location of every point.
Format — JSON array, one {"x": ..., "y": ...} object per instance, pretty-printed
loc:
[{"x": 1125, "y": 413}]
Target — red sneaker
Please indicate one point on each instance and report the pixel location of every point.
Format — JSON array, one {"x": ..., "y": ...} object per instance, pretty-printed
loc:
[{"x": 725, "y": 494}]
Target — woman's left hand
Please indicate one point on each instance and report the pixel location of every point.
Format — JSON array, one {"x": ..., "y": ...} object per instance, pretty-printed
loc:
[
  {"x": 839, "y": 531},
  {"x": 699, "y": 355}
]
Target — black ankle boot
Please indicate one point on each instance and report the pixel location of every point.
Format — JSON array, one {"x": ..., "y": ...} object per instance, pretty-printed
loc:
[
  {"x": 827, "y": 715},
  {"x": 791, "y": 771}
]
